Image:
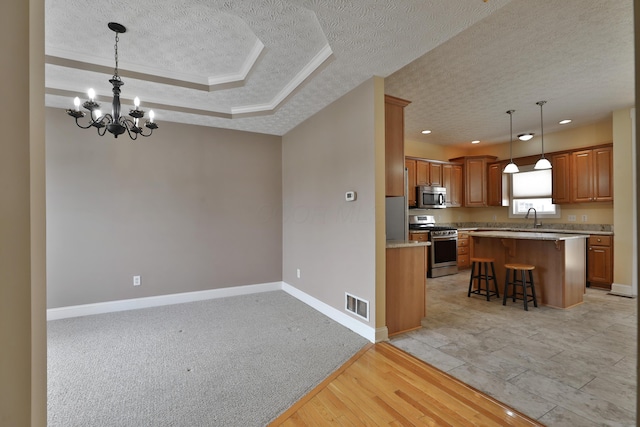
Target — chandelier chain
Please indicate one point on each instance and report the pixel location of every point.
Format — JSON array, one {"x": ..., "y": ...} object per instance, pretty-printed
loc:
[{"x": 115, "y": 71}]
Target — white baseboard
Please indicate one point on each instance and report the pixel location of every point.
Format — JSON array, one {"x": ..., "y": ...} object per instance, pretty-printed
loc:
[
  {"x": 156, "y": 301},
  {"x": 373, "y": 335},
  {"x": 332, "y": 313},
  {"x": 382, "y": 334},
  {"x": 622, "y": 290}
]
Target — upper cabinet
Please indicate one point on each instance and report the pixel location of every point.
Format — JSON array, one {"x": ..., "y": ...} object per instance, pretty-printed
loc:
[
  {"x": 561, "y": 178},
  {"x": 410, "y": 164},
  {"x": 394, "y": 145},
  {"x": 475, "y": 180},
  {"x": 428, "y": 173},
  {"x": 452, "y": 181},
  {"x": 497, "y": 184},
  {"x": 583, "y": 176}
]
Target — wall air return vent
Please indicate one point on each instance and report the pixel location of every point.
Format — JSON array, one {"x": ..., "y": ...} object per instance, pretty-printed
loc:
[{"x": 356, "y": 305}]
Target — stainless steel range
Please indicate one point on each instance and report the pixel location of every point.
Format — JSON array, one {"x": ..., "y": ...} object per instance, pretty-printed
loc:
[{"x": 443, "y": 253}]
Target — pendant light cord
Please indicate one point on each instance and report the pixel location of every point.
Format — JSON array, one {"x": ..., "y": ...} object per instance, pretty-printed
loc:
[{"x": 541, "y": 103}]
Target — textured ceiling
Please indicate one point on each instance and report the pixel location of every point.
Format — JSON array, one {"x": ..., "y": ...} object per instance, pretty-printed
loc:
[{"x": 266, "y": 66}]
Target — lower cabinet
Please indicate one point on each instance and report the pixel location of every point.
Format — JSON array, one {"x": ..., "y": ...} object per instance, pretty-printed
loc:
[
  {"x": 405, "y": 288},
  {"x": 464, "y": 250},
  {"x": 600, "y": 261},
  {"x": 422, "y": 237}
]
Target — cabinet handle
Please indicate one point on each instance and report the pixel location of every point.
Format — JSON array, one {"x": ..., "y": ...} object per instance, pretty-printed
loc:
[{"x": 589, "y": 248}]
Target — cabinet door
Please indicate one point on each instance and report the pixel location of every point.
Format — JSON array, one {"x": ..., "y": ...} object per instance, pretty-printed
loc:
[
  {"x": 475, "y": 183},
  {"x": 602, "y": 174},
  {"x": 410, "y": 164},
  {"x": 452, "y": 181},
  {"x": 599, "y": 264},
  {"x": 561, "y": 178},
  {"x": 435, "y": 174},
  {"x": 394, "y": 145},
  {"x": 581, "y": 176},
  {"x": 456, "y": 186},
  {"x": 422, "y": 173},
  {"x": 495, "y": 184}
]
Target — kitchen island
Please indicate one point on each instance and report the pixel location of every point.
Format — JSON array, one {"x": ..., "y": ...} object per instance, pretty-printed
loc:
[
  {"x": 406, "y": 281},
  {"x": 559, "y": 258}
]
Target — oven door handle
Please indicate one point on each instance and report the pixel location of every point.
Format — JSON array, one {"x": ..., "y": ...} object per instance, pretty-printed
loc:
[{"x": 443, "y": 238}]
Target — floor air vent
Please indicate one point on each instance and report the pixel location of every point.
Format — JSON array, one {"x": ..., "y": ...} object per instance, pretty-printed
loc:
[{"x": 356, "y": 305}]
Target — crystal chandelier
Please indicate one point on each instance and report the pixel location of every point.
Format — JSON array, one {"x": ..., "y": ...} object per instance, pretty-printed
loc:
[{"x": 114, "y": 122}]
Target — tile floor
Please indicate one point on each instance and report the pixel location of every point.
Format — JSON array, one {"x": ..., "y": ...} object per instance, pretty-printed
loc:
[{"x": 573, "y": 367}]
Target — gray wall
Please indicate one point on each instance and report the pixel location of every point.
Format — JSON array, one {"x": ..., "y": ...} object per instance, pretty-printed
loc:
[
  {"x": 190, "y": 208},
  {"x": 330, "y": 240}
]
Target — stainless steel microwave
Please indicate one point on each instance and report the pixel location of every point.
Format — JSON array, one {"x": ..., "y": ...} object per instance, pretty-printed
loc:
[{"x": 431, "y": 197}]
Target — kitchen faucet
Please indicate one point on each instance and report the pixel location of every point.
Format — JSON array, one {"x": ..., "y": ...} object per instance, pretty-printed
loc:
[{"x": 535, "y": 217}]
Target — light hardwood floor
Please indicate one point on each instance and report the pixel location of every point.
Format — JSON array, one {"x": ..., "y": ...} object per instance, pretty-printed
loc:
[{"x": 382, "y": 385}]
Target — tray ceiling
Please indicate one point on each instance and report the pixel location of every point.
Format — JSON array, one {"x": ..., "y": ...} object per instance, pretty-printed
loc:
[{"x": 266, "y": 66}]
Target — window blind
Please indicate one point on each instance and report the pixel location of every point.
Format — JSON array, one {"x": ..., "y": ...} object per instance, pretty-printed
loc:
[{"x": 532, "y": 184}]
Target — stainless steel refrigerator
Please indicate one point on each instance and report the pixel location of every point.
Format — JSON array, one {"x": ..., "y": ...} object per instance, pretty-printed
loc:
[
  {"x": 396, "y": 224},
  {"x": 397, "y": 215}
]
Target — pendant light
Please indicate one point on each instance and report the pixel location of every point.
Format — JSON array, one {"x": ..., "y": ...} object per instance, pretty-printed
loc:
[
  {"x": 542, "y": 163},
  {"x": 511, "y": 167}
]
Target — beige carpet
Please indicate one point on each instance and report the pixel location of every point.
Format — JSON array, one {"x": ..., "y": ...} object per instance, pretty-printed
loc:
[{"x": 237, "y": 361}]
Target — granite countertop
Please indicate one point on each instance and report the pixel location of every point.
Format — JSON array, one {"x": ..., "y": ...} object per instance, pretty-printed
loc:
[
  {"x": 527, "y": 235},
  {"x": 393, "y": 244},
  {"x": 551, "y": 229}
]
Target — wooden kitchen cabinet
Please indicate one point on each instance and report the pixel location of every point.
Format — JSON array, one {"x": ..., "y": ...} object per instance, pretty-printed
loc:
[
  {"x": 561, "y": 178},
  {"x": 394, "y": 145},
  {"x": 497, "y": 185},
  {"x": 406, "y": 282},
  {"x": 592, "y": 175},
  {"x": 464, "y": 250},
  {"x": 422, "y": 237},
  {"x": 475, "y": 179},
  {"x": 410, "y": 165},
  {"x": 452, "y": 181},
  {"x": 428, "y": 173},
  {"x": 600, "y": 261}
]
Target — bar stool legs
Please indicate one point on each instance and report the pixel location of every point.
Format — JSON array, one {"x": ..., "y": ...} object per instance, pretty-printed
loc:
[
  {"x": 522, "y": 281},
  {"x": 480, "y": 277}
]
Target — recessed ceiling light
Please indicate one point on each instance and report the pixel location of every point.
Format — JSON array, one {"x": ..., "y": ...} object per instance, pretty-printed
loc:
[
  {"x": 426, "y": 131},
  {"x": 525, "y": 136},
  {"x": 564, "y": 122},
  {"x": 475, "y": 142}
]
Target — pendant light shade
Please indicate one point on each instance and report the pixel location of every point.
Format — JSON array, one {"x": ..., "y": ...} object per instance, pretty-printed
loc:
[
  {"x": 542, "y": 163},
  {"x": 511, "y": 167}
]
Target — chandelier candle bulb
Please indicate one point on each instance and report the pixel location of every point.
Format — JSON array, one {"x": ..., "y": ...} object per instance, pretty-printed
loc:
[
  {"x": 92, "y": 94},
  {"x": 136, "y": 102},
  {"x": 76, "y": 102},
  {"x": 151, "y": 116}
]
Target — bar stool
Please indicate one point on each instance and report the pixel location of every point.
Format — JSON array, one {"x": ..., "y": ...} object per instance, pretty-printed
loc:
[
  {"x": 480, "y": 262},
  {"x": 519, "y": 270}
]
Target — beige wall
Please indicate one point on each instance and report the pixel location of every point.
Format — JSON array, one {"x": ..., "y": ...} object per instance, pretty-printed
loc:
[
  {"x": 22, "y": 233},
  {"x": 331, "y": 241},
  {"x": 190, "y": 208},
  {"x": 623, "y": 173}
]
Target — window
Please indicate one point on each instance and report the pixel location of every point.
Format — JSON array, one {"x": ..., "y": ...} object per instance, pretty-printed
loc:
[{"x": 531, "y": 188}]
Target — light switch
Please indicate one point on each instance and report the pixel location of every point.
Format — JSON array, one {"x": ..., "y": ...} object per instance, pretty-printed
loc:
[{"x": 350, "y": 196}]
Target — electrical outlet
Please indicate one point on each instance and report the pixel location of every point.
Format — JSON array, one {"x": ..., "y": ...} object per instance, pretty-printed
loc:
[
  {"x": 571, "y": 218},
  {"x": 136, "y": 281},
  {"x": 298, "y": 273},
  {"x": 584, "y": 218}
]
